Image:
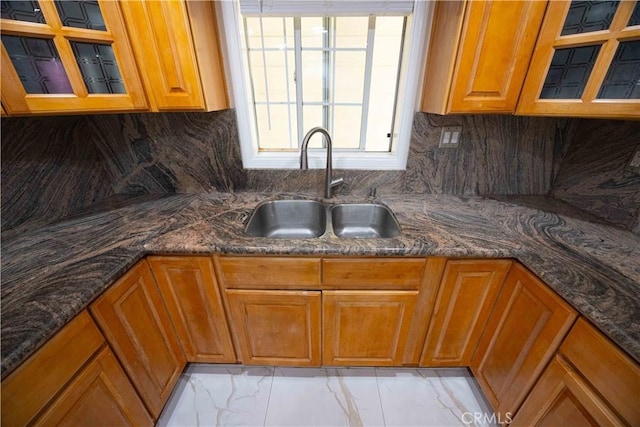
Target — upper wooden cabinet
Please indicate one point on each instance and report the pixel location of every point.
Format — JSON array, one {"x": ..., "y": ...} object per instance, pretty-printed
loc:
[
  {"x": 522, "y": 334},
  {"x": 137, "y": 326},
  {"x": 67, "y": 57},
  {"x": 176, "y": 43},
  {"x": 478, "y": 55},
  {"x": 586, "y": 61}
]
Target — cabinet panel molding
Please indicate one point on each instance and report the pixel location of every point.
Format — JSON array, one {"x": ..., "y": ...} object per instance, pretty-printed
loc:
[
  {"x": 33, "y": 385},
  {"x": 465, "y": 299},
  {"x": 522, "y": 334},
  {"x": 277, "y": 327},
  {"x": 192, "y": 297},
  {"x": 100, "y": 395},
  {"x": 137, "y": 326},
  {"x": 562, "y": 397},
  {"x": 478, "y": 55},
  {"x": 366, "y": 328},
  {"x": 610, "y": 371}
]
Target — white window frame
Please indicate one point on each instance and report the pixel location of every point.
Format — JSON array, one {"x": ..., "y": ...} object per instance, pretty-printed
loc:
[{"x": 410, "y": 90}]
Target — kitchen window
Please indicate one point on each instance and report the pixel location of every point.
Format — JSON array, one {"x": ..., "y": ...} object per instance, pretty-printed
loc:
[{"x": 350, "y": 67}]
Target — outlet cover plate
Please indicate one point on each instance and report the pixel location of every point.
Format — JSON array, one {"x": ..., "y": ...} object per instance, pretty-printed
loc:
[{"x": 450, "y": 137}]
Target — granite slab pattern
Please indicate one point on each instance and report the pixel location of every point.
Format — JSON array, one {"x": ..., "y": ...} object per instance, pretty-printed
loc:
[{"x": 52, "y": 273}]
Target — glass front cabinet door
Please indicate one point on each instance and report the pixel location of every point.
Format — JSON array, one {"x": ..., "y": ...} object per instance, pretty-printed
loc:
[
  {"x": 67, "y": 56},
  {"x": 586, "y": 61}
]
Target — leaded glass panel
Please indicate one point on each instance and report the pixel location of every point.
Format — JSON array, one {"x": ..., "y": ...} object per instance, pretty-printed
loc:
[
  {"x": 623, "y": 78},
  {"x": 27, "y": 11},
  {"x": 635, "y": 16},
  {"x": 81, "y": 14},
  {"x": 99, "y": 68},
  {"x": 589, "y": 16},
  {"x": 569, "y": 72},
  {"x": 38, "y": 64}
]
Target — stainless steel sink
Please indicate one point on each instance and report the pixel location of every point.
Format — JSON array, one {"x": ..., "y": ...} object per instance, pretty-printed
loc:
[
  {"x": 288, "y": 219},
  {"x": 366, "y": 220}
]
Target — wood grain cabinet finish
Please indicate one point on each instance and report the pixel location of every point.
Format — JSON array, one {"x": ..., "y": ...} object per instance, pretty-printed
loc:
[
  {"x": 138, "y": 328},
  {"x": 591, "y": 381},
  {"x": 192, "y": 297},
  {"x": 100, "y": 395},
  {"x": 466, "y": 297},
  {"x": 277, "y": 327},
  {"x": 177, "y": 45},
  {"x": 372, "y": 273},
  {"x": 264, "y": 272},
  {"x": 71, "y": 378},
  {"x": 478, "y": 55},
  {"x": 366, "y": 328},
  {"x": 522, "y": 334},
  {"x": 73, "y": 83},
  {"x": 595, "y": 79}
]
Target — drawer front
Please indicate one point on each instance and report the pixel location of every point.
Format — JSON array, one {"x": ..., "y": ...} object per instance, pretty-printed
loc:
[
  {"x": 373, "y": 273},
  {"x": 270, "y": 273},
  {"x": 34, "y": 384}
]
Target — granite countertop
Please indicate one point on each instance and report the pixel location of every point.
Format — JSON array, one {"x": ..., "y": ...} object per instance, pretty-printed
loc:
[{"x": 52, "y": 273}]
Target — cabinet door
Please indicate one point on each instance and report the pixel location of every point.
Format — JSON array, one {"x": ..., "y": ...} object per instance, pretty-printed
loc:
[
  {"x": 586, "y": 61},
  {"x": 101, "y": 395},
  {"x": 479, "y": 64},
  {"x": 465, "y": 299},
  {"x": 191, "y": 294},
  {"x": 35, "y": 383},
  {"x": 164, "y": 34},
  {"x": 366, "y": 328},
  {"x": 276, "y": 327},
  {"x": 523, "y": 333},
  {"x": 67, "y": 56},
  {"x": 137, "y": 326},
  {"x": 562, "y": 397}
]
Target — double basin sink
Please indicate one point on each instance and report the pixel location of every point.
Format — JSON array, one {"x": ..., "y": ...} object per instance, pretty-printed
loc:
[{"x": 306, "y": 219}]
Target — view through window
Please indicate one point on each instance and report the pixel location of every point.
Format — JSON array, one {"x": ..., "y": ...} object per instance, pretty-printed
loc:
[{"x": 337, "y": 72}]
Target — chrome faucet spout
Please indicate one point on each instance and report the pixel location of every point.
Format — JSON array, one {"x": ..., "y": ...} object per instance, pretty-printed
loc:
[{"x": 329, "y": 183}]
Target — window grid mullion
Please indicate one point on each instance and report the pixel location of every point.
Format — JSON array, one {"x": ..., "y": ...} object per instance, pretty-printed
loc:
[
  {"x": 264, "y": 73},
  {"x": 297, "y": 45},
  {"x": 286, "y": 72},
  {"x": 366, "y": 93}
]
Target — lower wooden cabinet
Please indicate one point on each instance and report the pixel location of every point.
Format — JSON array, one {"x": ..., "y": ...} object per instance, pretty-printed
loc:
[
  {"x": 74, "y": 379},
  {"x": 366, "y": 328},
  {"x": 192, "y": 297},
  {"x": 137, "y": 326},
  {"x": 276, "y": 327},
  {"x": 590, "y": 382},
  {"x": 466, "y": 297},
  {"x": 101, "y": 395},
  {"x": 522, "y": 335}
]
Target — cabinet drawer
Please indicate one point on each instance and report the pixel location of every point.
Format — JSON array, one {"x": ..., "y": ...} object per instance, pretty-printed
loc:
[
  {"x": 34, "y": 384},
  {"x": 373, "y": 273},
  {"x": 611, "y": 372},
  {"x": 270, "y": 272}
]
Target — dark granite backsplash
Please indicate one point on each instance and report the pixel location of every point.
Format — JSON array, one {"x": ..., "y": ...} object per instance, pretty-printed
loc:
[
  {"x": 594, "y": 174},
  {"x": 53, "y": 167}
]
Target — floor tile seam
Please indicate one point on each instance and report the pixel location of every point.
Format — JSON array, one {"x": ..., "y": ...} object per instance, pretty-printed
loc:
[
  {"x": 266, "y": 412},
  {"x": 384, "y": 418}
]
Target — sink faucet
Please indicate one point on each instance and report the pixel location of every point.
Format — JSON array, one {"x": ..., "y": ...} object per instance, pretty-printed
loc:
[{"x": 329, "y": 183}]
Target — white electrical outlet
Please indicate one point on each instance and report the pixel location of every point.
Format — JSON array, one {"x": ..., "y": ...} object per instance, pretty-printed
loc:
[{"x": 450, "y": 137}]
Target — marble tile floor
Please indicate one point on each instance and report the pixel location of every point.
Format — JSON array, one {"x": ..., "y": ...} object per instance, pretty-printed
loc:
[{"x": 228, "y": 395}]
